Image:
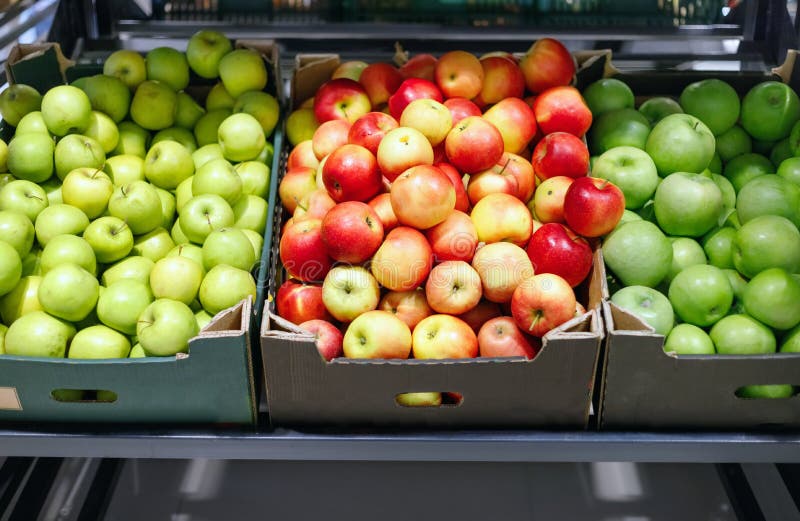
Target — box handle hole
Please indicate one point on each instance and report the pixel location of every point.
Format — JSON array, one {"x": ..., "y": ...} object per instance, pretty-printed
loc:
[
  {"x": 83, "y": 395},
  {"x": 768, "y": 392},
  {"x": 429, "y": 399}
]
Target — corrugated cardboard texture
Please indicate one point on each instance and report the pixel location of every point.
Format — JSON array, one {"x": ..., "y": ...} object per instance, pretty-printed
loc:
[{"x": 40, "y": 65}]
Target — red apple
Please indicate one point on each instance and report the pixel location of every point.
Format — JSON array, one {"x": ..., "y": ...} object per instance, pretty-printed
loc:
[
  {"x": 495, "y": 180},
  {"x": 380, "y": 80},
  {"x": 502, "y": 267},
  {"x": 382, "y": 205},
  {"x": 459, "y": 74},
  {"x": 303, "y": 253},
  {"x": 480, "y": 314},
  {"x": 548, "y": 200},
  {"x": 453, "y": 287},
  {"x": 502, "y": 217},
  {"x": 461, "y": 108},
  {"x": 522, "y": 170},
  {"x": 593, "y": 207},
  {"x": 350, "y": 69},
  {"x": 453, "y": 239},
  {"x": 409, "y": 90},
  {"x": 329, "y": 136},
  {"x": 502, "y": 79},
  {"x": 420, "y": 66},
  {"x": 474, "y": 144},
  {"x": 554, "y": 248},
  {"x": 351, "y": 173},
  {"x": 462, "y": 199},
  {"x": 541, "y": 303},
  {"x": 296, "y": 184},
  {"x": 327, "y": 337},
  {"x": 439, "y": 154},
  {"x": 298, "y": 302},
  {"x": 579, "y": 309},
  {"x": 443, "y": 337},
  {"x": 562, "y": 109},
  {"x": 314, "y": 205},
  {"x": 403, "y": 261},
  {"x": 560, "y": 153},
  {"x": 547, "y": 64},
  {"x": 369, "y": 130},
  {"x": 351, "y": 232},
  {"x": 422, "y": 197},
  {"x": 516, "y": 122},
  {"x": 500, "y": 337},
  {"x": 401, "y": 149},
  {"x": 409, "y": 306},
  {"x": 302, "y": 154},
  {"x": 341, "y": 98}
]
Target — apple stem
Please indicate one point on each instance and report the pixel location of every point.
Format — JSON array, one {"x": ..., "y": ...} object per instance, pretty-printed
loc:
[
  {"x": 97, "y": 171},
  {"x": 504, "y": 166},
  {"x": 537, "y": 316}
]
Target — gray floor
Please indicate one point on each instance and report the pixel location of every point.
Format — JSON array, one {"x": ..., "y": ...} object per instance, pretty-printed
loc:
[{"x": 214, "y": 490}]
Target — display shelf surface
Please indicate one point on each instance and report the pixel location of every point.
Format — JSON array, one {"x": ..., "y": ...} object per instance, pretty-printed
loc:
[{"x": 319, "y": 445}]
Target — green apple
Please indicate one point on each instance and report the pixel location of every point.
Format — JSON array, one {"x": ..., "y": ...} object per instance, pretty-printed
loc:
[
  {"x": 250, "y": 212},
  {"x": 766, "y": 391},
  {"x": 4, "y": 329},
  {"x": 204, "y": 50},
  {"x": 66, "y": 110},
  {"x": 773, "y": 298},
  {"x": 733, "y": 142},
  {"x": 727, "y": 190},
  {"x": 110, "y": 238},
  {"x": 241, "y": 70},
  {"x": 791, "y": 341},
  {"x": 4, "y": 159},
  {"x": 137, "y": 351},
  {"x": 38, "y": 334},
  {"x": 103, "y": 130},
  {"x": 608, "y": 94},
  {"x": 183, "y": 193},
  {"x": 133, "y": 139},
  {"x": 767, "y": 241},
  {"x": 59, "y": 219},
  {"x": 621, "y": 127},
  {"x": 32, "y": 122},
  {"x": 167, "y": 164},
  {"x": 109, "y": 95},
  {"x": 98, "y": 343},
  {"x": 742, "y": 335},
  {"x": 225, "y": 286},
  {"x": 188, "y": 111},
  {"x": 769, "y": 110},
  {"x": 32, "y": 262},
  {"x": 203, "y": 214},
  {"x": 126, "y": 65},
  {"x": 687, "y": 339},
  {"x": 78, "y": 151},
  {"x": 11, "y": 267},
  {"x": 165, "y": 327},
  {"x": 68, "y": 249},
  {"x": 657, "y": 108},
  {"x": 52, "y": 188},
  {"x": 228, "y": 246},
  {"x": 87, "y": 189},
  {"x": 301, "y": 125},
  {"x": 178, "y": 134},
  {"x": 630, "y": 169},
  {"x": 17, "y": 231},
  {"x": 262, "y": 106},
  {"x": 154, "y": 245},
  {"x": 715, "y": 165},
  {"x": 121, "y": 304},
  {"x": 24, "y": 197},
  {"x": 781, "y": 152},
  {"x": 5, "y": 179},
  {"x": 168, "y": 66},
  {"x": 69, "y": 292},
  {"x": 685, "y": 252},
  {"x": 205, "y": 131},
  {"x": 638, "y": 253},
  {"x": 18, "y": 100},
  {"x": 742, "y": 169},
  {"x": 257, "y": 241},
  {"x": 168, "y": 207},
  {"x": 712, "y": 101},
  {"x": 203, "y": 318},
  {"x": 124, "y": 169},
  {"x": 647, "y": 304},
  {"x": 680, "y": 143},
  {"x": 737, "y": 283},
  {"x": 23, "y": 299},
  {"x": 769, "y": 194},
  {"x": 177, "y": 234},
  {"x": 718, "y": 247},
  {"x": 789, "y": 169},
  {"x": 219, "y": 98},
  {"x": 177, "y": 278},
  {"x": 701, "y": 294},
  {"x": 30, "y": 156},
  {"x": 218, "y": 177},
  {"x": 206, "y": 153},
  {"x": 191, "y": 251},
  {"x": 133, "y": 268},
  {"x": 241, "y": 137},
  {"x": 154, "y": 105},
  {"x": 687, "y": 204},
  {"x": 139, "y": 205}
]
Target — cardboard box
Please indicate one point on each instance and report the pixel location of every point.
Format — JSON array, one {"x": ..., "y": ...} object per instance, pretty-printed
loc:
[
  {"x": 40, "y": 65},
  {"x": 554, "y": 390},
  {"x": 644, "y": 387}
]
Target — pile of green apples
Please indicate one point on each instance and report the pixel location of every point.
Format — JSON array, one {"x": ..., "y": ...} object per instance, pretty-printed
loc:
[
  {"x": 130, "y": 214},
  {"x": 708, "y": 251}
]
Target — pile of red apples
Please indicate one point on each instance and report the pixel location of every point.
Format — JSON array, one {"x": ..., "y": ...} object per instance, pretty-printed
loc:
[{"x": 442, "y": 208}]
